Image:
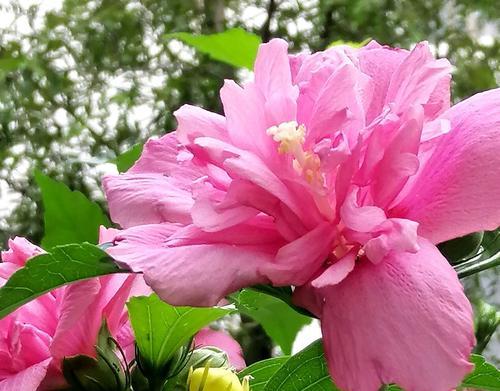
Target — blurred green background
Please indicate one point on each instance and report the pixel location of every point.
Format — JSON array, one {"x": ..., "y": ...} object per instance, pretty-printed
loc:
[{"x": 83, "y": 81}]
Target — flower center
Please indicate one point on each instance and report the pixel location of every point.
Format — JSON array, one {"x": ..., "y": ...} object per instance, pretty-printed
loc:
[{"x": 291, "y": 138}]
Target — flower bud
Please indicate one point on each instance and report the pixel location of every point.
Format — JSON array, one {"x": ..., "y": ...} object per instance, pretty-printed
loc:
[{"x": 216, "y": 379}]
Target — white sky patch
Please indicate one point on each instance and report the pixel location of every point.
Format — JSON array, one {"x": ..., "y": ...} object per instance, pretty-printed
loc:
[{"x": 307, "y": 335}]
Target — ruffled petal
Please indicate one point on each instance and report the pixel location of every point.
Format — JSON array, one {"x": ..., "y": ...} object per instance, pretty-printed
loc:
[
  {"x": 420, "y": 80},
  {"x": 166, "y": 156},
  {"x": 395, "y": 321},
  {"x": 458, "y": 190},
  {"x": 20, "y": 250},
  {"x": 194, "y": 267},
  {"x": 76, "y": 332},
  {"x": 135, "y": 199},
  {"x": 28, "y": 379},
  {"x": 194, "y": 122},
  {"x": 301, "y": 259}
]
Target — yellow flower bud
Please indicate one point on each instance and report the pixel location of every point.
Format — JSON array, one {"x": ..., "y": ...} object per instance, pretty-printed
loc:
[{"x": 215, "y": 379}]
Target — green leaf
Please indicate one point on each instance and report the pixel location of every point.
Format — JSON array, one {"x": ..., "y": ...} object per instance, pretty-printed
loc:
[
  {"x": 45, "y": 272},
  {"x": 350, "y": 43},
  {"x": 235, "y": 46},
  {"x": 128, "y": 158},
  {"x": 457, "y": 249},
  {"x": 305, "y": 371},
  {"x": 392, "y": 387},
  {"x": 69, "y": 216},
  {"x": 279, "y": 320},
  {"x": 161, "y": 329},
  {"x": 262, "y": 371},
  {"x": 484, "y": 377}
]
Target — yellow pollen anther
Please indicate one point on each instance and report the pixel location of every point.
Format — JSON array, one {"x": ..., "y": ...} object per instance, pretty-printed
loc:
[
  {"x": 291, "y": 138},
  {"x": 290, "y": 135}
]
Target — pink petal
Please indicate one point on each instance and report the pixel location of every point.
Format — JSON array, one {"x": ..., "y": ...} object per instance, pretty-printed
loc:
[
  {"x": 79, "y": 320},
  {"x": 360, "y": 218},
  {"x": 338, "y": 105},
  {"x": 167, "y": 156},
  {"x": 458, "y": 191},
  {"x": 302, "y": 258},
  {"x": 245, "y": 113},
  {"x": 194, "y": 267},
  {"x": 194, "y": 122},
  {"x": 107, "y": 234},
  {"x": 380, "y": 63},
  {"x": 274, "y": 80},
  {"x": 20, "y": 250},
  {"x": 216, "y": 209},
  {"x": 336, "y": 272},
  {"x": 223, "y": 341},
  {"x": 420, "y": 80},
  {"x": 397, "y": 320},
  {"x": 84, "y": 307},
  {"x": 272, "y": 67},
  {"x": 241, "y": 164},
  {"x": 135, "y": 199},
  {"x": 26, "y": 380},
  {"x": 7, "y": 269}
]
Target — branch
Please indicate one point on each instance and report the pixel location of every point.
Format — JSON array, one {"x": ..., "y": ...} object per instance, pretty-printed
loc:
[{"x": 266, "y": 28}]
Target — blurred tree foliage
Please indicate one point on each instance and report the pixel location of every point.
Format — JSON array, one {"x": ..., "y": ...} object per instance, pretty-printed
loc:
[{"x": 91, "y": 78}]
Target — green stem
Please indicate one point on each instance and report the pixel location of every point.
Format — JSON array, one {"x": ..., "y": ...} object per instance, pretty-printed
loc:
[{"x": 472, "y": 267}]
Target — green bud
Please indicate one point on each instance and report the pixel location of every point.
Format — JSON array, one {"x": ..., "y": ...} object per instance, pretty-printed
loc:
[
  {"x": 216, "y": 357},
  {"x": 487, "y": 321},
  {"x": 105, "y": 372}
]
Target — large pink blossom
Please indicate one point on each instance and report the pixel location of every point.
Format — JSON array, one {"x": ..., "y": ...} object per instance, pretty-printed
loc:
[
  {"x": 336, "y": 172},
  {"x": 35, "y": 338}
]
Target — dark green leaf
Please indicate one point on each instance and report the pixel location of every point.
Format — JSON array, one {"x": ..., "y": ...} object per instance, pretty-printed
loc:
[
  {"x": 305, "y": 371},
  {"x": 69, "y": 216},
  {"x": 262, "y": 371},
  {"x": 128, "y": 158},
  {"x": 43, "y": 273},
  {"x": 279, "y": 320},
  {"x": 284, "y": 293},
  {"x": 484, "y": 377},
  {"x": 161, "y": 329},
  {"x": 235, "y": 46},
  {"x": 457, "y": 249}
]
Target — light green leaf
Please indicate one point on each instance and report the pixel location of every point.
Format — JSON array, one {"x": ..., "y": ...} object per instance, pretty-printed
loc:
[
  {"x": 279, "y": 320},
  {"x": 305, "y": 371},
  {"x": 43, "y": 273},
  {"x": 262, "y": 371},
  {"x": 235, "y": 46},
  {"x": 392, "y": 387},
  {"x": 9, "y": 64},
  {"x": 161, "y": 329},
  {"x": 69, "y": 216},
  {"x": 128, "y": 158},
  {"x": 484, "y": 377},
  {"x": 352, "y": 44}
]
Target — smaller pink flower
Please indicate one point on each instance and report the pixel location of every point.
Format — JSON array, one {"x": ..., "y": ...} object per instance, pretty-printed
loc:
[
  {"x": 223, "y": 341},
  {"x": 65, "y": 322}
]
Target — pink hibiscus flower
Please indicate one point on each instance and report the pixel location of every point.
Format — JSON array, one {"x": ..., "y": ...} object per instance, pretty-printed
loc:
[
  {"x": 338, "y": 173},
  {"x": 35, "y": 338}
]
